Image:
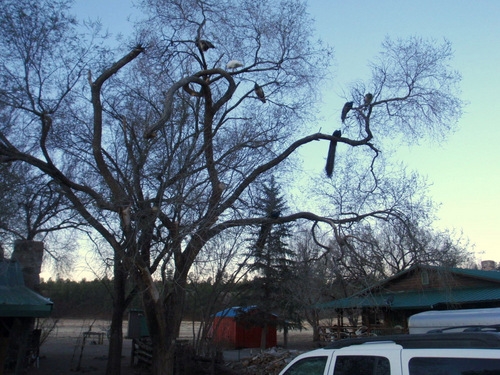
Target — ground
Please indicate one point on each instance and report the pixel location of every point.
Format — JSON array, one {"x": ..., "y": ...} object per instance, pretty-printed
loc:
[{"x": 62, "y": 353}]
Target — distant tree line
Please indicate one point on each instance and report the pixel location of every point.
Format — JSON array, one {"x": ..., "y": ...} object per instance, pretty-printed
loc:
[
  {"x": 79, "y": 299},
  {"x": 93, "y": 299}
]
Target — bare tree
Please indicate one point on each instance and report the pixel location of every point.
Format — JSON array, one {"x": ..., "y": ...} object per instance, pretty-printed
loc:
[
  {"x": 364, "y": 252},
  {"x": 220, "y": 267},
  {"x": 34, "y": 209},
  {"x": 156, "y": 173},
  {"x": 314, "y": 279},
  {"x": 412, "y": 94},
  {"x": 166, "y": 152},
  {"x": 377, "y": 248},
  {"x": 382, "y": 250},
  {"x": 44, "y": 61}
]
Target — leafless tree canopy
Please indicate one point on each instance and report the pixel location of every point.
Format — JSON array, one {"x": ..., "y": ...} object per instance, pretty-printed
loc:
[
  {"x": 159, "y": 145},
  {"x": 415, "y": 92}
]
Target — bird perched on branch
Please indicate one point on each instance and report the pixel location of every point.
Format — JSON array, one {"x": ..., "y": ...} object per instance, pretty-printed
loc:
[
  {"x": 368, "y": 99},
  {"x": 265, "y": 229},
  {"x": 150, "y": 135},
  {"x": 330, "y": 160},
  {"x": 345, "y": 110},
  {"x": 204, "y": 45},
  {"x": 260, "y": 93},
  {"x": 233, "y": 64}
]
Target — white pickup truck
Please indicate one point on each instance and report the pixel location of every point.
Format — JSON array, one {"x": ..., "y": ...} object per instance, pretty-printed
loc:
[{"x": 465, "y": 353}]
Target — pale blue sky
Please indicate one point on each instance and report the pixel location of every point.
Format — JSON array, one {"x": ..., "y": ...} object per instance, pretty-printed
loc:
[{"x": 465, "y": 170}]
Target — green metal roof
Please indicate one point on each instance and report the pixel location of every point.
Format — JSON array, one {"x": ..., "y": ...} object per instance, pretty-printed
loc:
[
  {"x": 417, "y": 299},
  {"x": 493, "y": 276},
  {"x": 478, "y": 274},
  {"x": 429, "y": 298},
  {"x": 15, "y": 298}
]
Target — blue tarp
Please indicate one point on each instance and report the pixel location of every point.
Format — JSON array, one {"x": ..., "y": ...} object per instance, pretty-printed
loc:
[{"x": 235, "y": 311}]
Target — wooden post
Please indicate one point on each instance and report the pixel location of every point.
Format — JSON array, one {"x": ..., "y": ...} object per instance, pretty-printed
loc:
[{"x": 285, "y": 335}]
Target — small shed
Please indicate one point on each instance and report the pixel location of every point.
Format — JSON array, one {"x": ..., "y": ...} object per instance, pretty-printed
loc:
[{"x": 242, "y": 327}]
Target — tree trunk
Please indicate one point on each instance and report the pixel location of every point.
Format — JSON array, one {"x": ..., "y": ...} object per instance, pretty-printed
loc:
[
  {"x": 285, "y": 335},
  {"x": 263, "y": 337},
  {"x": 313, "y": 320},
  {"x": 115, "y": 342},
  {"x": 163, "y": 359},
  {"x": 316, "y": 337},
  {"x": 164, "y": 317},
  {"x": 116, "y": 331},
  {"x": 161, "y": 335}
]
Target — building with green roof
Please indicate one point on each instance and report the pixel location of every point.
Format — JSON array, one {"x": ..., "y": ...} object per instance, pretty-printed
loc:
[
  {"x": 19, "y": 307},
  {"x": 389, "y": 303}
]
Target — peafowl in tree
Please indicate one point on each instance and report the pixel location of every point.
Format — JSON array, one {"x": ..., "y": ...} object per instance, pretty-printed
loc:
[
  {"x": 259, "y": 92},
  {"x": 345, "y": 110},
  {"x": 204, "y": 45},
  {"x": 330, "y": 160},
  {"x": 368, "y": 99}
]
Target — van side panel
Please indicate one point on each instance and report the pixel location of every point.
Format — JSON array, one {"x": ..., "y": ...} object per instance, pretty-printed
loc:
[{"x": 452, "y": 361}]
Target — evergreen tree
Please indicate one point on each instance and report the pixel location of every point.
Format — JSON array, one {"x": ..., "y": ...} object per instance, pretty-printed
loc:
[
  {"x": 271, "y": 254},
  {"x": 272, "y": 259}
]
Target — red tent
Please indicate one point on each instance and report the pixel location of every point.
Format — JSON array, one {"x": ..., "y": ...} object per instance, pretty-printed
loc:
[{"x": 241, "y": 327}]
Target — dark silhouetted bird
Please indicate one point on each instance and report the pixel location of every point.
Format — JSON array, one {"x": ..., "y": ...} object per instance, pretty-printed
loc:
[
  {"x": 368, "y": 99},
  {"x": 330, "y": 160},
  {"x": 204, "y": 45},
  {"x": 149, "y": 135},
  {"x": 346, "y": 109},
  {"x": 265, "y": 229},
  {"x": 260, "y": 93}
]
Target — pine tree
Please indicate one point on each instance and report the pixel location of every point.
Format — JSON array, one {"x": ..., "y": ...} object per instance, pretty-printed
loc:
[{"x": 272, "y": 258}]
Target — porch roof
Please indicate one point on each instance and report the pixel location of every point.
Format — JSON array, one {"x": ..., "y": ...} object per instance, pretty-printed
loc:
[
  {"x": 17, "y": 300},
  {"x": 417, "y": 299}
]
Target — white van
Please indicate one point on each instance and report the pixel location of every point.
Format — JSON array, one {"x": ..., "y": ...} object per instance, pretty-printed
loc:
[
  {"x": 422, "y": 354},
  {"x": 454, "y": 320}
]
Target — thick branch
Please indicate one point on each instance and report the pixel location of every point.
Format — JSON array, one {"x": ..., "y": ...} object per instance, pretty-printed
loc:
[
  {"x": 183, "y": 83},
  {"x": 272, "y": 163},
  {"x": 96, "y": 87}
]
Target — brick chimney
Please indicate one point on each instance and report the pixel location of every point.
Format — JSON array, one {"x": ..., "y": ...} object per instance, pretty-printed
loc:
[
  {"x": 29, "y": 255},
  {"x": 488, "y": 265}
]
